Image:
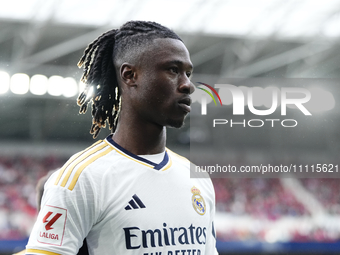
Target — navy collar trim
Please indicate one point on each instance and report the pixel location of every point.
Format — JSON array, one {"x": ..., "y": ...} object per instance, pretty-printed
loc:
[{"x": 153, "y": 165}]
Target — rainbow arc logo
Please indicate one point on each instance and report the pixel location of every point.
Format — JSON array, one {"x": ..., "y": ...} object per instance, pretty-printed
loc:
[
  {"x": 212, "y": 89},
  {"x": 204, "y": 100}
]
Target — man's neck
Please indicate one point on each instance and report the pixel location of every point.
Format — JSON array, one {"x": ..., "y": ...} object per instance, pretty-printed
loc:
[{"x": 140, "y": 139}]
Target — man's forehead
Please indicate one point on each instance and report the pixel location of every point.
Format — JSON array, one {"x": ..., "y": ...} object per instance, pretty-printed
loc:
[
  {"x": 169, "y": 50},
  {"x": 168, "y": 44}
]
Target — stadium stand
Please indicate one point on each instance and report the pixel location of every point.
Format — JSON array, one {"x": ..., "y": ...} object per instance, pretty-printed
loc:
[{"x": 18, "y": 178}]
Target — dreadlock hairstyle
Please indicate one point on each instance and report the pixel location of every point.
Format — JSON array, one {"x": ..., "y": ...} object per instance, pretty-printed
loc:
[{"x": 99, "y": 60}]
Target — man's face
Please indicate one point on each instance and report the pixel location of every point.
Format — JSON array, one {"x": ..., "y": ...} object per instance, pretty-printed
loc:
[{"x": 163, "y": 83}]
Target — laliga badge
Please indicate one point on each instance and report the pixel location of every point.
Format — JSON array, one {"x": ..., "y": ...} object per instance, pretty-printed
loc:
[
  {"x": 198, "y": 201},
  {"x": 52, "y": 222}
]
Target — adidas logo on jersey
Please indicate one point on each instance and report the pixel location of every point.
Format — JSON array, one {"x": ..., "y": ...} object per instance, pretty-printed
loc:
[{"x": 135, "y": 203}]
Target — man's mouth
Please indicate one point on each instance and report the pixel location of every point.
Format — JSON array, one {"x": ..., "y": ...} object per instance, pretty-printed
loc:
[{"x": 185, "y": 104}]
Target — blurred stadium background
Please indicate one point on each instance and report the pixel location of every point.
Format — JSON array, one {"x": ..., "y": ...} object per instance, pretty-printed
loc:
[{"x": 41, "y": 42}]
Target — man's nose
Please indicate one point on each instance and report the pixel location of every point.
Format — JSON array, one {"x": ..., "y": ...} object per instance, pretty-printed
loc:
[{"x": 187, "y": 86}]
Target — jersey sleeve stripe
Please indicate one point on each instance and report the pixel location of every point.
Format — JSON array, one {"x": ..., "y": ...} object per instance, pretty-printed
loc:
[
  {"x": 85, "y": 164},
  {"x": 34, "y": 251},
  {"x": 71, "y": 160},
  {"x": 79, "y": 160},
  {"x": 65, "y": 166}
]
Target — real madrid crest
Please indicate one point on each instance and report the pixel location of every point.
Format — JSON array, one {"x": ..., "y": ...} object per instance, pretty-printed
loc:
[{"x": 198, "y": 201}]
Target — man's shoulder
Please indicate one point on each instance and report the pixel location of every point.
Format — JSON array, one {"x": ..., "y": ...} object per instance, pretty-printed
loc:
[{"x": 88, "y": 162}]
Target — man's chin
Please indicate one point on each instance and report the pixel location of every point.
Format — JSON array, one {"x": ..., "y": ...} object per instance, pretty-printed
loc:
[{"x": 175, "y": 124}]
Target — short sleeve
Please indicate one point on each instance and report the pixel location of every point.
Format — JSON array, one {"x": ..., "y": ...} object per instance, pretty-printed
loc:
[{"x": 65, "y": 218}]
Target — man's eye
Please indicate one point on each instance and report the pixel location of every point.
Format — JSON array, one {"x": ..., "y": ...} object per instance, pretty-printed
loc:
[{"x": 174, "y": 69}]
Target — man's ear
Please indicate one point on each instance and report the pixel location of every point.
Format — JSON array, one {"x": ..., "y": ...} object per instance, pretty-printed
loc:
[{"x": 128, "y": 74}]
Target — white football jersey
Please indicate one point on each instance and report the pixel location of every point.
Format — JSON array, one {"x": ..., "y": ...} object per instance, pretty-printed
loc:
[{"x": 125, "y": 204}]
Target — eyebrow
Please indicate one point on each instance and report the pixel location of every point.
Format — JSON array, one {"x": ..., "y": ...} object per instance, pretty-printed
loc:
[{"x": 178, "y": 62}]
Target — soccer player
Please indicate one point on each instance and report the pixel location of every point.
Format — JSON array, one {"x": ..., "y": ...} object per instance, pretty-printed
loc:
[{"x": 129, "y": 194}]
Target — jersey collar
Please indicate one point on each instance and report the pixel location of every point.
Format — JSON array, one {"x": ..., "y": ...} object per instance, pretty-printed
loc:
[{"x": 163, "y": 165}]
